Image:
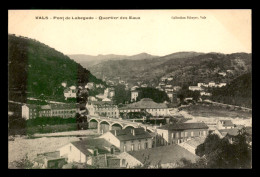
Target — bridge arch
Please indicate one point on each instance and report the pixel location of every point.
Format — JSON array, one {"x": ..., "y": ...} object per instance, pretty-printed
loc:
[
  {"x": 116, "y": 126},
  {"x": 130, "y": 126},
  {"x": 104, "y": 126},
  {"x": 93, "y": 123}
]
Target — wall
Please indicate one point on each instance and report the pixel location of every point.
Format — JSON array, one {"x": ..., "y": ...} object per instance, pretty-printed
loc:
[
  {"x": 130, "y": 161},
  {"x": 25, "y": 112},
  {"x": 111, "y": 138},
  {"x": 74, "y": 155},
  {"x": 179, "y": 135},
  {"x": 142, "y": 142}
]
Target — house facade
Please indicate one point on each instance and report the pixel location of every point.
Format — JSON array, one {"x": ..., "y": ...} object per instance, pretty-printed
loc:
[
  {"x": 178, "y": 133},
  {"x": 225, "y": 124},
  {"x": 30, "y": 111},
  {"x": 134, "y": 95},
  {"x": 129, "y": 139},
  {"x": 102, "y": 108},
  {"x": 148, "y": 105},
  {"x": 70, "y": 92}
]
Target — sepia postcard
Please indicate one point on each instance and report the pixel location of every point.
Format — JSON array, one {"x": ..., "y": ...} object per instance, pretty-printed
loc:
[{"x": 130, "y": 89}]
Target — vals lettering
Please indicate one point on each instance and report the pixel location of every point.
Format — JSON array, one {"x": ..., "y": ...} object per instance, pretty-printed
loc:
[{"x": 42, "y": 17}]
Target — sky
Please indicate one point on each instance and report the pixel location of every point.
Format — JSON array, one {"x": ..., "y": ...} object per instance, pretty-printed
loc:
[{"x": 157, "y": 32}]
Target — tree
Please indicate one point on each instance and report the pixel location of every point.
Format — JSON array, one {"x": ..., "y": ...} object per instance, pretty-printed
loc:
[{"x": 219, "y": 153}]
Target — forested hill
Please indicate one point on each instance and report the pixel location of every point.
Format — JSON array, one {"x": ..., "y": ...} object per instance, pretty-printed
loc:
[
  {"x": 237, "y": 92},
  {"x": 35, "y": 68},
  {"x": 186, "y": 68}
]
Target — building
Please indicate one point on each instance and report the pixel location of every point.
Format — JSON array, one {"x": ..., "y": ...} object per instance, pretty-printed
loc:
[
  {"x": 177, "y": 88},
  {"x": 49, "y": 160},
  {"x": 164, "y": 156},
  {"x": 178, "y": 133},
  {"x": 144, "y": 85},
  {"x": 134, "y": 95},
  {"x": 109, "y": 92},
  {"x": 170, "y": 95},
  {"x": 99, "y": 86},
  {"x": 148, "y": 105},
  {"x": 30, "y": 111},
  {"x": 225, "y": 124},
  {"x": 92, "y": 98},
  {"x": 222, "y": 84},
  {"x": 163, "y": 79},
  {"x": 90, "y": 85},
  {"x": 200, "y": 84},
  {"x": 129, "y": 139},
  {"x": 70, "y": 93},
  {"x": 170, "y": 78},
  {"x": 195, "y": 88},
  {"x": 191, "y": 145},
  {"x": 134, "y": 88},
  {"x": 212, "y": 84},
  {"x": 102, "y": 108},
  {"x": 64, "y": 84},
  {"x": 88, "y": 151},
  {"x": 205, "y": 94},
  {"x": 222, "y": 74}
]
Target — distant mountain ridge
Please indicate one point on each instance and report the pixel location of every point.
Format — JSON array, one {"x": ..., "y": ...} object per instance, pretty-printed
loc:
[
  {"x": 186, "y": 68},
  {"x": 89, "y": 60}
]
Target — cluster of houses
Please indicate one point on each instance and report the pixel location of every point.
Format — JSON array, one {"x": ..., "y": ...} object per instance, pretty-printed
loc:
[
  {"x": 201, "y": 87},
  {"x": 132, "y": 147},
  {"x": 108, "y": 109}
]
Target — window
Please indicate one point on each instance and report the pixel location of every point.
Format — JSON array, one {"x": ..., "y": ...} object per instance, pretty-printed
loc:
[
  {"x": 172, "y": 135},
  {"x": 123, "y": 162},
  {"x": 132, "y": 147},
  {"x": 146, "y": 145},
  {"x": 192, "y": 134},
  {"x": 186, "y": 134},
  {"x": 139, "y": 146},
  {"x": 124, "y": 148}
]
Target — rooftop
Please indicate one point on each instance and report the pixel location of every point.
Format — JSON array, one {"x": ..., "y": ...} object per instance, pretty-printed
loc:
[
  {"x": 226, "y": 123},
  {"x": 233, "y": 131},
  {"x": 164, "y": 154},
  {"x": 97, "y": 143},
  {"x": 185, "y": 126},
  {"x": 126, "y": 134},
  {"x": 145, "y": 103},
  {"x": 195, "y": 142}
]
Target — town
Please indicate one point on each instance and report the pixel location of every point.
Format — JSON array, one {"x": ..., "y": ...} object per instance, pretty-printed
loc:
[{"x": 126, "y": 135}]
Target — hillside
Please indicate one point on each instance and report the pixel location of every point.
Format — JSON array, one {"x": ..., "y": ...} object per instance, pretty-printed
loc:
[
  {"x": 35, "y": 68},
  {"x": 237, "y": 92},
  {"x": 88, "y": 60},
  {"x": 187, "y": 68}
]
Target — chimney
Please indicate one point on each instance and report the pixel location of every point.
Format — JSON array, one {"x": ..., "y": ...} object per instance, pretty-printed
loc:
[
  {"x": 115, "y": 133},
  {"x": 133, "y": 132}
]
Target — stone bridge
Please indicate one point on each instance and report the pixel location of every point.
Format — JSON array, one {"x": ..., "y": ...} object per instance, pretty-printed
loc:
[{"x": 104, "y": 124}]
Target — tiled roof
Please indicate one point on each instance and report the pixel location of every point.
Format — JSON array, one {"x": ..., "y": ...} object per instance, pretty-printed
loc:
[
  {"x": 195, "y": 142},
  {"x": 227, "y": 123},
  {"x": 126, "y": 134},
  {"x": 100, "y": 102},
  {"x": 164, "y": 154},
  {"x": 184, "y": 126},
  {"x": 64, "y": 106},
  {"x": 97, "y": 143},
  {"x": 32, "y": 106},
  {"x": 232, "y": 131},
  {"x": 145, "y": 103}
]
